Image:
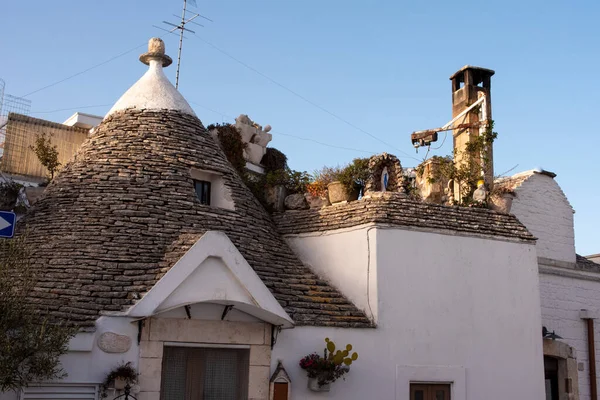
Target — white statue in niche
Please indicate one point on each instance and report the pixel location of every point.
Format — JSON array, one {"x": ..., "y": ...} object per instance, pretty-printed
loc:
[{"x": 385, "y": 178}]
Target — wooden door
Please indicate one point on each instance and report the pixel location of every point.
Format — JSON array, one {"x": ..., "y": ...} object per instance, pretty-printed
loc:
[{"x": 425, "y": 391}]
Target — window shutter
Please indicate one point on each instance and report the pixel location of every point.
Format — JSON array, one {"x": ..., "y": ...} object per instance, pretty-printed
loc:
[{"x": 62, "y": 392}]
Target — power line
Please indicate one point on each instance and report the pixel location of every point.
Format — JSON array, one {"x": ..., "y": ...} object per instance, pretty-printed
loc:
[
  {"x": 69, "y": 109},
  {"x": 290, "y": 135},
  {"x": 255, "y": 71},
  {"x": 86, "y": 70},
  {"x": 302, "y": 97}
]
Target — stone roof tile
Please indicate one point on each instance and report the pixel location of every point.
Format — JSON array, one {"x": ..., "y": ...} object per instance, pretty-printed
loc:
[
  {"x": 398, "y": 210},
  {"x": 115, "y": 219}
]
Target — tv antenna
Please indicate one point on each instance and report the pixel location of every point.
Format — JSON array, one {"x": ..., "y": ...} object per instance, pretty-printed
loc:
[{"x": 181, "y": 27}]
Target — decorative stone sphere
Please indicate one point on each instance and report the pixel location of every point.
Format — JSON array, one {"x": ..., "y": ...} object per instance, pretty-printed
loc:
[
  {"x": 156, "y": 46},
  {"x": 267, "y": 128},
  {"x": 156, "y": 51}
]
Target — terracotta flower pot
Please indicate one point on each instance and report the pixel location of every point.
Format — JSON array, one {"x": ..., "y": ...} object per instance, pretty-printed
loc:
[
  {"x": 313, "y": 384},
  {"x": 337, "y": 193},
  {"x": 120, "y": 383},
  {"x": 502, "y": 203}
]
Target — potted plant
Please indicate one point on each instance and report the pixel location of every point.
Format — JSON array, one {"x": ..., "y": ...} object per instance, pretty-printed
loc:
[
  {"x": 123, "y": 375},
  {"x": 354, "y": 177},
  {"x": 318, "y": 187},
  {"x": 501, "y": 199},
  {"x": 322, "y": 371}
]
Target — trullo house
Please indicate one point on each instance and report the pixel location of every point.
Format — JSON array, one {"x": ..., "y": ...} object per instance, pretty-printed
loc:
[{"x": 151, "y": 243}]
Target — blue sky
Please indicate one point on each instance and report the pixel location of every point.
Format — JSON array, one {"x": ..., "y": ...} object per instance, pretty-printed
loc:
[{"x": 381, "y": 65}]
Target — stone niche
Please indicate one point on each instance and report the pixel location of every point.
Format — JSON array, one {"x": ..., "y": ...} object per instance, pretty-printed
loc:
[{"x": 386, "y": 174}]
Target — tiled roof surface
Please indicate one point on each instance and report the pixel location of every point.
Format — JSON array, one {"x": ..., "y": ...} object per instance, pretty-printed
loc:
[
  {"x": 114, "y": 221},
  {"x": 398, "y": 210},
  {"x": 587, "y": 265}
]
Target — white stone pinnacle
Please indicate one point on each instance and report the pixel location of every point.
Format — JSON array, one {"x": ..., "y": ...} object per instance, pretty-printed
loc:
[{"x": 153, "y": 91}]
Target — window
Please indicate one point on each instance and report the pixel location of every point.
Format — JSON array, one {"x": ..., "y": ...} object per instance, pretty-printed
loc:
[
  {"x": 429, "y": 391},
  {"x": 203, "y": 191},
  {"x": 60, "y": 391},
  {"x": 192, "y": 373}
]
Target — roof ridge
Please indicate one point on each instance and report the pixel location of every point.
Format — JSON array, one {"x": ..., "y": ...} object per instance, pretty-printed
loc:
[{"x": 399, "y": 210}]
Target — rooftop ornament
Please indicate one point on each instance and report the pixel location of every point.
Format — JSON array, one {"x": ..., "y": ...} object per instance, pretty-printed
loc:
[
  {"x": 153, "y": 91},
  {"x": 156, "y": 51}
]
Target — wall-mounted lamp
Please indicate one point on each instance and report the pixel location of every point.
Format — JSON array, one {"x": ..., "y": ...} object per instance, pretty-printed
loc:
[{"x": 546, "y": 334}]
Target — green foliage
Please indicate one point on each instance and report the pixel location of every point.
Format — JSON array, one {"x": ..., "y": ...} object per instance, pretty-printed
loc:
[
  {"x": 331, "y": 366},
  {"x": 123, "y": 371},
  {"x": 474, "y": 160},
  {"x": 341, "y": 356},
  {"x": 354, "y": 176},
  {"x": 232, "y": 144},
  {"x": 326, "y": 175},
  {"x": 9, "y": 193},
  {"x": 317, "y": 187},
  {"x": 274, "y": 160},
  {"x": 30, "y": 344},
  {"x": 46, "y": 153},
  {"x": 294, "y": 181}
]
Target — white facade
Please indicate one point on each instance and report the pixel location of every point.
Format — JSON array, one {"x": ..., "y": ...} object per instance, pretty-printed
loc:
[
  {"x": 542, "y": 206},
  {"x": 449, "y": 309},
  {"x": 565, "y": 289},
  {"x": 563, "y": 298}
]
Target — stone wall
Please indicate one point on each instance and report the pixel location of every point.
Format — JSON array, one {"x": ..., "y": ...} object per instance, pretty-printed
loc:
[
  {"x": 157, "y": 331},
  {"x": 21, "y": 133},
  {"x": 543, "y": 208},
  {"x": 562, "y": 299}
]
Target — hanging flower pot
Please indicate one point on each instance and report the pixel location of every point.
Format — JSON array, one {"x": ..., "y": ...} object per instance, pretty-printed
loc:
[
  {"x": 326, "y": 369},
  {"x": 120, "y": 383},
  {"x": 313, "y": 384}
]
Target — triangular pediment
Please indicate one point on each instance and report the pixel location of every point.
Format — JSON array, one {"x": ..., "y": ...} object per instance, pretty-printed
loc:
[{"x": 212, "y": 271}]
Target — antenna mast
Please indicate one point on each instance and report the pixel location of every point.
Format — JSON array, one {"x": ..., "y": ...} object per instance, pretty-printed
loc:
[{"x": 181, "y": 27}]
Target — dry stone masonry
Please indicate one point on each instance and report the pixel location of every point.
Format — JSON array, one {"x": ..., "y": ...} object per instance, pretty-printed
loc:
[{"x": 114, "y": 221}]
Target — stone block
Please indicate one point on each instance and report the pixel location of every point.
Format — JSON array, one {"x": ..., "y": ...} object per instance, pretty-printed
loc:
[
  {"x": 150, "y": 374},
  {"x": 148, "y": 396},
  {"x": 149, "y": 349},
  {"x": 259, "y": 383},
  {"x": 201, "y": 331},
  {"x": 267, "y": 339},
  {"x": 260, "y": 355},
  {"x": 111, "y": 342}
]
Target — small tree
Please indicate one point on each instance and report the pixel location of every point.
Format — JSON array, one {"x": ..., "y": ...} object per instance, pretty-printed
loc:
[
  {"x": 46, "y": 153},
  {"x": 30, "y": 344}
]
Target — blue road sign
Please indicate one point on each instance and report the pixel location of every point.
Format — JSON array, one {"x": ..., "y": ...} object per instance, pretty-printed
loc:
[{"x": 8, "y": 221}]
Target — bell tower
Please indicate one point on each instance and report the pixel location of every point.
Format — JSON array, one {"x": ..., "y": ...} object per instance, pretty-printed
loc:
[{"x": 469, "y": 84}]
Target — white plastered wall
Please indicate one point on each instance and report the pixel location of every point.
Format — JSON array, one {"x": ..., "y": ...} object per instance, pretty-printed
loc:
[
  {"x": 342, "y": 257},
  {"x": 450, "y": 308},
  {"x": 543, "y": 208},
  {"x": 562, "y": 300}
]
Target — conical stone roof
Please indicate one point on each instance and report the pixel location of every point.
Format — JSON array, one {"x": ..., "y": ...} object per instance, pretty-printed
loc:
[{"x": 117, "y": 217}]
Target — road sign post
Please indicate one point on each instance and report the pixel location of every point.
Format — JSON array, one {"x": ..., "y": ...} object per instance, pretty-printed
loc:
[{"x": 8, "y": 220}]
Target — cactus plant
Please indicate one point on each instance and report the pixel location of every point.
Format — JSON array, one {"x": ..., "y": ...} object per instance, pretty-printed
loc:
[{"x": 331, "y": 366}]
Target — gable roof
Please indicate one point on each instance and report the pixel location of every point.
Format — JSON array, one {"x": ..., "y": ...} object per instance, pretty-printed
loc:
[
  {"x": 119, "y": 216},
  {"x": 212, "y": 271},
  {"x": 397, "y": 209}
]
